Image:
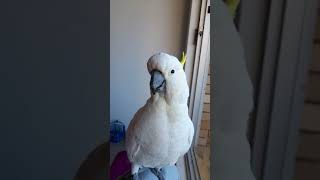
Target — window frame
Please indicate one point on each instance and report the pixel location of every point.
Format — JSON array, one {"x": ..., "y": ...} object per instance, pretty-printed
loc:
[{"x": 197, "y": 68}]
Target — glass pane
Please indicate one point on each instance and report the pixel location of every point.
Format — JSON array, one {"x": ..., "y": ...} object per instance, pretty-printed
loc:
[{"x": 202, "y": 146}]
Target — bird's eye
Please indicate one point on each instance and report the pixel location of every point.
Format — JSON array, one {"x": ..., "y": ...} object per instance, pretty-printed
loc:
[{"x": 172, "y": 71}]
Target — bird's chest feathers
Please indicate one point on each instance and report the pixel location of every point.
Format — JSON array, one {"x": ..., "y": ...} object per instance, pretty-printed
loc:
[
  {"x": 160, "y": 126},
  {"x": 171, "y": 113},
  {"x": 164, "y": 120}
]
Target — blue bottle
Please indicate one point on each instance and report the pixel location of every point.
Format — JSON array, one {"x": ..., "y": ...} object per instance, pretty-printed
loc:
[{"x": 117, "y": 131}]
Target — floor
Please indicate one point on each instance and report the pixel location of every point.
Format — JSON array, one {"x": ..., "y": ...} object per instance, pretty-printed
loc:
[{"x": 203, "y": 161}]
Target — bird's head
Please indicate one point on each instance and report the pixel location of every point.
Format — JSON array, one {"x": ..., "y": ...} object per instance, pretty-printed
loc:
[{"x": 168, "y": 78}]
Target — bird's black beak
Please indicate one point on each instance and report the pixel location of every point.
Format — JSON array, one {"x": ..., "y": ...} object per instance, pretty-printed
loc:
[{"x": 157, "y": 81}]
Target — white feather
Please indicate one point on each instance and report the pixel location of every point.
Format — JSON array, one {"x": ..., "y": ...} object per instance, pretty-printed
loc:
[{"x": 161, "y": 131}]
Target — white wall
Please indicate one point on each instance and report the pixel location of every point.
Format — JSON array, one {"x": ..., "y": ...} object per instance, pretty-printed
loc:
[{"x": 139, "y": 29}]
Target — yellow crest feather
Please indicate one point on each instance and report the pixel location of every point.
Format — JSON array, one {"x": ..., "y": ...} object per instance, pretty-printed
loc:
[{"x": 183, "y": 58}]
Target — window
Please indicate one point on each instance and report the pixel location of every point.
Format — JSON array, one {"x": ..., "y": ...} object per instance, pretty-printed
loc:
[
  {"x": 202, "y": 146},
  {"x": 197, "y": 70}
]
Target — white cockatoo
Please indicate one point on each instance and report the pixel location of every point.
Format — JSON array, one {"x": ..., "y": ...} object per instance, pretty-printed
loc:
[{"x": 161, "y": 131}]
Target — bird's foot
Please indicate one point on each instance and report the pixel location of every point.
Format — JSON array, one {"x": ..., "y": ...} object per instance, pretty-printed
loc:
[
  {"x": 158, "y": 169},
  {"x": 157, "y": 172}
]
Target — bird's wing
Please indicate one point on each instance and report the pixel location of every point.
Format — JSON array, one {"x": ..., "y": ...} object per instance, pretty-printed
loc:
[
  {"x": 146, "y": 138},
  {"x": 191, "y": 132},
  {"x": 132, "y": 146}
]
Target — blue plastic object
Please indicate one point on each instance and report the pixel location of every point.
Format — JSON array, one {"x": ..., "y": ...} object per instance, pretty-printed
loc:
[{"x": 117, "y": 131}]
